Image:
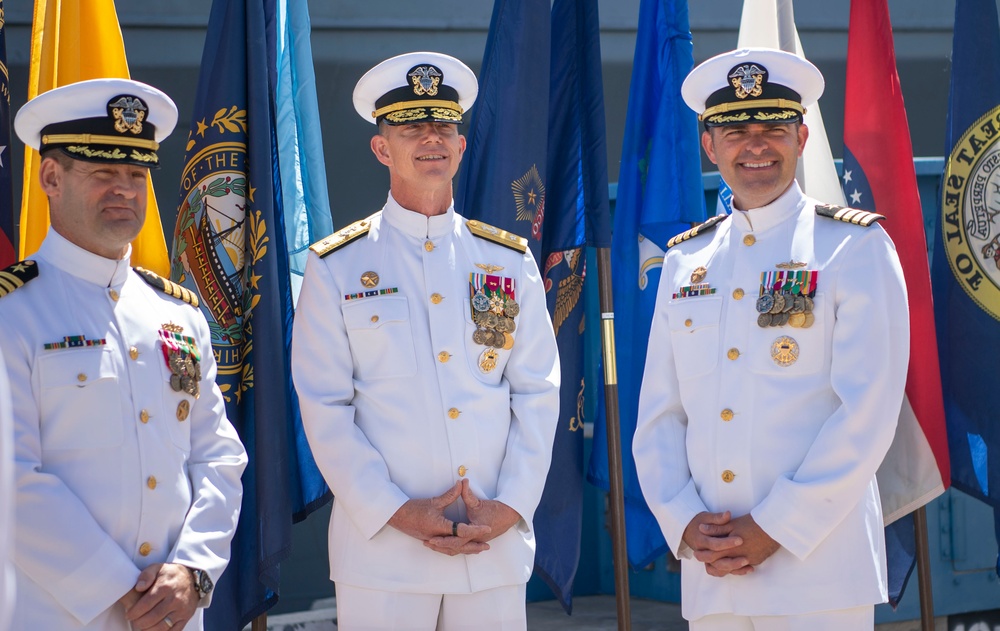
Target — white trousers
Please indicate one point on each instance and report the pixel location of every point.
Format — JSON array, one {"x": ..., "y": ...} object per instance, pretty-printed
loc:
[
  {"x": 856, "y": 619},
  {"x": 498, "y": 609}
]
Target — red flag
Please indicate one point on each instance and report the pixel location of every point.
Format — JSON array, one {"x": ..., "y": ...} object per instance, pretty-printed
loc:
[{"x": 879, "y": 176}]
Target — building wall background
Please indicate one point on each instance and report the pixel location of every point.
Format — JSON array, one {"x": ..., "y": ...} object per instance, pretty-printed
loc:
[{"x": 164, "y": 42}]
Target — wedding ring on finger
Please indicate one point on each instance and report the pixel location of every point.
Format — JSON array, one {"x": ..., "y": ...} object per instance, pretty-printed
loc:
[{"x": 167, "y": 621}]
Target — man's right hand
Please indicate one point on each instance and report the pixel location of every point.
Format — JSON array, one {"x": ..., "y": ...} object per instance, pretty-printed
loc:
[
  {"x": 424, "y": 519},
  {"x": 713, "y": 550}
]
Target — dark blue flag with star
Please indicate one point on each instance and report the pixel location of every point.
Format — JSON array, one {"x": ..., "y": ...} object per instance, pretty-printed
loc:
[
  {"x": 536, "y": 166},
  {"x": 229, "y": 247}
]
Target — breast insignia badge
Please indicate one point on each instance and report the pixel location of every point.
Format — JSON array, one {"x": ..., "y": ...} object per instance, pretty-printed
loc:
[{"x": 784, "y": 351}]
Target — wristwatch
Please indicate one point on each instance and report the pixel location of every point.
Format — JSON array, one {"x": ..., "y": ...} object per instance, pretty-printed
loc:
[{"x": 202, "y": 582}]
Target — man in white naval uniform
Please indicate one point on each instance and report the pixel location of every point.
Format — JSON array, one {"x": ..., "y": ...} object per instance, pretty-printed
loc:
[
  {"x": 781, "y": 342},
  {"x": 127, "y": 470},
  {"x": 6, "y": 501},
  {"x": 427, "y": 371}
]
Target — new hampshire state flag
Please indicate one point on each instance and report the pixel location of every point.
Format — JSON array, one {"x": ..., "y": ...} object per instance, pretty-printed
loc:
[
  {"x": 660, "y": 195},
  {"x": 230, "y": 247},
  {"x": 536, "y": 165},
  {"x": 966, "y": 265}
]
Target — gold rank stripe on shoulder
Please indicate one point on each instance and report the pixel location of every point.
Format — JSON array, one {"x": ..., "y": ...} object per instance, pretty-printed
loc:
[
  {"x": 848, "y": 215},
  {"x": 496, "y": 235},
  {"x": 168, "y": 287},
  {"x": 341, "y": 238},
  {"x": 17, "y": 275},
  {"x": 703, "y": 228}
]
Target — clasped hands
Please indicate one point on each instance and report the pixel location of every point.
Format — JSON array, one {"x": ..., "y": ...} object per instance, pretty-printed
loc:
[
  {"x": 424, "y": 519},
  {"x": 726, "y": 545},
  {"x": 163, "y": 598}
]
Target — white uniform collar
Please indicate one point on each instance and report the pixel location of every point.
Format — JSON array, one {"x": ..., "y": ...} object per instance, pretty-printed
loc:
[
  {"x": 415, "y": 224},
  {"x": 780, "y": 210},
  {"x": 93, "y": 268}
]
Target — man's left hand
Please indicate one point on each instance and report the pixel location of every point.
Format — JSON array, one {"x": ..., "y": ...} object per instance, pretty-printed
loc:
[{"x": 167, "y": 598}]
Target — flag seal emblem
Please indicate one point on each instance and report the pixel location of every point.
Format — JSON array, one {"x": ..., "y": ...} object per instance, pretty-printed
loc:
[
  {"x": 970, "y": 204},
  {"x": 748, "y": 79}
]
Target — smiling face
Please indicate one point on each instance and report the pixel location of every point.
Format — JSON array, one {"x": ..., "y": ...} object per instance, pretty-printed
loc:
[
  {"x": 422, "y": 157},
  {"x": 756, "y": 160},
  {"x": 99, "y": 207}
]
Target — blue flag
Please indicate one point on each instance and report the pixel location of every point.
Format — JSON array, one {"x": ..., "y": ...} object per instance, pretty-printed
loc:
[
  {"x": 229, "y": 246},
  {"x": 8, "y": 241},
  {"x": 659, "y": 195},
  {"x": 965, "y": 272},
  {"x": 536, "y": 165}
]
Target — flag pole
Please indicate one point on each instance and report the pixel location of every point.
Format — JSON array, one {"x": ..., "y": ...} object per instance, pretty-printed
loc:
[
  {"x": 259, "y": 623},
  {"x": 923, "y": 570},
  {"x": 613, "y": 424}
]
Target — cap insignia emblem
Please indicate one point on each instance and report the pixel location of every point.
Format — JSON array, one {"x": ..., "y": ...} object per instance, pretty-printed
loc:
[
  {"x": 748, "y": 79},
  {"x": 425, "y": 80},
  {"x": 128, "y": 112}
]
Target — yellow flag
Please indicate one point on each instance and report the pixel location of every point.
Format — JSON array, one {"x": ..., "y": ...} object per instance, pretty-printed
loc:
[{"x": 76, "y": 40}]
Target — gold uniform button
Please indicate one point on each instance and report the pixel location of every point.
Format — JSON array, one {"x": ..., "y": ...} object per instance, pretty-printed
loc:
[
  {"x": 429, "y": 245},
  {"x": 113, "y": 294},
  {"x": 738, "y": 293},
  {"x": 749, "y": 239},
  {"x": 145, "y": 549},
  {"x": 444, "y": 356},
  {"x": 151, "y": 482},
  {"x": 454, "y": 413},
  {"x": 728, "y": 476},
  {"x": 144, "y": 416},
  {"x": 133, "y": 352},
  {"x": 727, "y": 415},
  {"x": 374, "y": 319},
  {"x": 81, "y": 377},
  {"x": 182, "y": 410},
  {"x": 734, "y": 354},
  {"x": 688, "y": 322},
  {"x": 436, "y": 298},
  {"x": 462, "y": 471}
]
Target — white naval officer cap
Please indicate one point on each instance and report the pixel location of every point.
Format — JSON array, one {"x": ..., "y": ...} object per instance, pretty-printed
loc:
[
  {"x": 416, "y": 87},
  {"x": 752, "y": 85},
  {"x": 114, "y": 121}
]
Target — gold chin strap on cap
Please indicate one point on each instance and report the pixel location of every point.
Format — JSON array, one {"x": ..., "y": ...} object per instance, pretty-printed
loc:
[
  {"x": 97, "y": 139},
  {"x": 406, "y": 105},
  {"x": 749, "y": 105}
]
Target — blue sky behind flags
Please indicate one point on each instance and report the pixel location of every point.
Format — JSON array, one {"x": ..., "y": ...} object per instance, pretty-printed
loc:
[
  {"x": 660, "y": 194},
  {"x": 536, "y": 166},
  {"x": 229, "y": 246},
  {"x": 966, "y": 266}
]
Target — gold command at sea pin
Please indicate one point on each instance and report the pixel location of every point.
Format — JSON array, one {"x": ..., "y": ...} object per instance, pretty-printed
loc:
[
  {"x": 369, "y": 280},
  {"x": 494, "y": 307},
  {"x": 183, "y": 359},
  {"x": 697, "y": 287},
  {"x": 786, "y": 296}
]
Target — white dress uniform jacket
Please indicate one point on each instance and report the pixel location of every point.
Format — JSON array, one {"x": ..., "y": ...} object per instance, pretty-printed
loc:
[
  {"x": 7, "y": 520},
  {"x": 395, "y": 405},
  {"x": 722, "y": 426},
  {"x": 115, "y": 470}
]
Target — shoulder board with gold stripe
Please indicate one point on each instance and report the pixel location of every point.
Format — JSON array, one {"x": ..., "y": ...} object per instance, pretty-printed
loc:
[
  {"x": 496, "y": 235},
  {"x": 702, "y": 228},
  {"x": 341, "y": 238},
  {"x": 17, "y": 275},
  {"x": 849, "y": 215},
  {"x": 168, "y": 287}
]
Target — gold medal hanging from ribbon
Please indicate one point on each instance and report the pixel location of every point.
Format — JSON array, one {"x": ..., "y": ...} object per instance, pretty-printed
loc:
[
  {"x": 183, "y": 359},
  {"x": 786, "y": 297},
  {"x": 494, "y": 307}
]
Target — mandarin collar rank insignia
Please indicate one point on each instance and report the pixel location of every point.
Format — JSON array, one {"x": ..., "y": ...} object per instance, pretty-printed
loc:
[
  {"x": 128, "y": 112},
  {"x": 425, "y": 80},
  {"x": 369, "y": 280},
  {"x": 748, "y": 79},
  {"x": 698, "y": 275}
]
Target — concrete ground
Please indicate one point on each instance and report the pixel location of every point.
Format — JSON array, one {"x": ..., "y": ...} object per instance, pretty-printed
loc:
[{"x": 590, "y": 613}]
